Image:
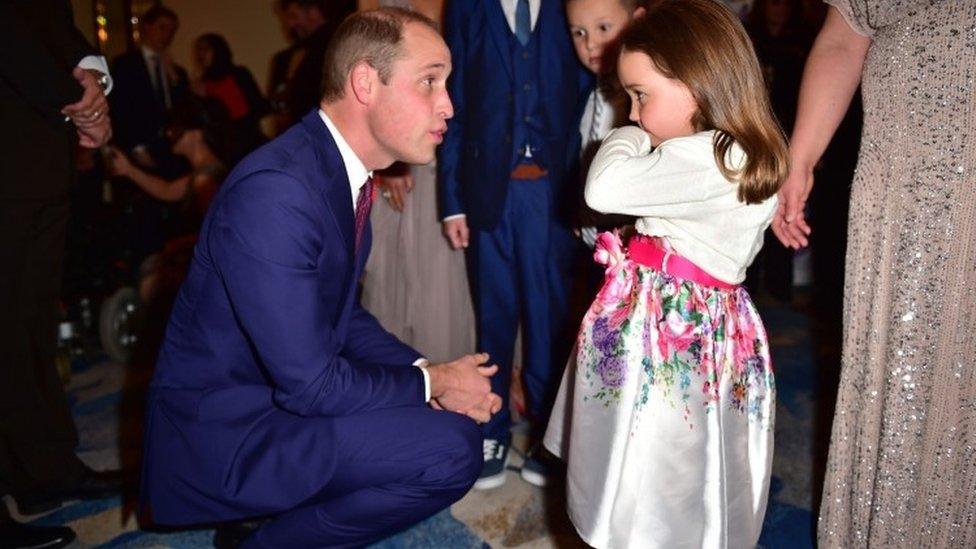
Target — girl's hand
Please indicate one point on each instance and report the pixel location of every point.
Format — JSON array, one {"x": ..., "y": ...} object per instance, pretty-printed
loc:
[
  {"x": 789, "y": 222},
  {"x": 118, "y": 163}
]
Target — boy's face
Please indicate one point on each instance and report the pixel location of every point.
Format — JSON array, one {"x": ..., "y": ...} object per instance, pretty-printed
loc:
[{"x": 594, "y": 25}]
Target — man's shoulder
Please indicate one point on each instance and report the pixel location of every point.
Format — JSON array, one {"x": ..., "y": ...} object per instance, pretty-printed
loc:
[{"x": 286, "y": 162}]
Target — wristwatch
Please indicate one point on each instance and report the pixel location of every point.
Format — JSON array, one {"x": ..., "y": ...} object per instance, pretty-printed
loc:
[{"x": 102, "y": 80}]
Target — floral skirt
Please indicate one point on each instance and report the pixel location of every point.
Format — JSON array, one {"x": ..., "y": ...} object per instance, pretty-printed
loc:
[{"x": 665, "y": 414}]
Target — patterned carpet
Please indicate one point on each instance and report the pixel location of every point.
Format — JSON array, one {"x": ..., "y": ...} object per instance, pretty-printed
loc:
[{"x": 107, "y": 409}]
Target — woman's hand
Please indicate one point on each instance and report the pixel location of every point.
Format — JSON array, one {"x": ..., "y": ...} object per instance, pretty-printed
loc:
[{"x": 789, "y": 221}]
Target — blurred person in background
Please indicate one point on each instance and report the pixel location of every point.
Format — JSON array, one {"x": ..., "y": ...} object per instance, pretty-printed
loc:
[
  {"x": 235, "y": 88},
  {"x": 148, "y": 84}
]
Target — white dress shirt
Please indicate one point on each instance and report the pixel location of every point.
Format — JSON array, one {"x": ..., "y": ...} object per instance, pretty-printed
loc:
[
  {"x": 355, "y": 169},
  {"x": 679, "y": 193},
  {"x": 97, "y": 63},
  {"x": 597, "y": 119},
  {"x": 357, "y": 173},
  {"x": 152, "y": 59}
]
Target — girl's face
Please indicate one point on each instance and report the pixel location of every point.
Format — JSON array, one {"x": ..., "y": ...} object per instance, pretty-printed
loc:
[
  {"x": 595, "y": 24},
  {"x": 663, "y": 107},
  {"x": 203, "y": 54}
]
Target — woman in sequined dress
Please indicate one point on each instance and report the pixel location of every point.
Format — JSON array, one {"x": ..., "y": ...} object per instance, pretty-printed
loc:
[
  {"x": 902, "y": 466},
  {"x": 415, "y": 284}
]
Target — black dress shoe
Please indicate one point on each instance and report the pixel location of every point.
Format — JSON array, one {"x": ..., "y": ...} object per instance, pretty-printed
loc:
[
  {"x": 93, "y": 485},
  {"x": 230, "y": 535},
  {"x": 15, "y": 535}
]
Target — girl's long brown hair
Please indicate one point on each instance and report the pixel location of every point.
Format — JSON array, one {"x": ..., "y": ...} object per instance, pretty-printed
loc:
[{"x": 703, "y": 45}]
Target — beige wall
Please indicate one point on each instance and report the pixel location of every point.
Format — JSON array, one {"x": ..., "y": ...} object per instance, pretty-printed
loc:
[
  {"x": 84, "y": 19},
  {"x": 250, "y": 26}
]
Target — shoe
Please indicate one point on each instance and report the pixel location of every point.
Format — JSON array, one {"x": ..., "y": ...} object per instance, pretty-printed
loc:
[
  {"x": 539, "y": 467},
  {"x": 93, "y": 485},
  {"x": 16, "y": 535},
  {"x": 496, "y": 461},
  {"x": 230, "y": 535}
]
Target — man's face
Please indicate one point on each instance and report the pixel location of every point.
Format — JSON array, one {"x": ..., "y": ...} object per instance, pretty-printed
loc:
[
  {"x": 409, "y": 116},
  {"x": 302, "y": 21},
  {"x": 159, "y": 34}
]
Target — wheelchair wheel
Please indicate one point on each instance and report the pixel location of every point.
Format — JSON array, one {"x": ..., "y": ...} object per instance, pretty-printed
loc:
[{"x": 118, "y": 324}]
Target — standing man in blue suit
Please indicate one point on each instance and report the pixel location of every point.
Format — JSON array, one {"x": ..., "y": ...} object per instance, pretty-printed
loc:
[
  {"x": 506, "y": 190},
  {"x": 276, "y": 395}
]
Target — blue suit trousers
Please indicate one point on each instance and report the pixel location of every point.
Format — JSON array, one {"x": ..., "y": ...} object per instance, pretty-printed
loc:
[
  {"x": 394, "y": 468},
  {"x": 521, "y": 272}
]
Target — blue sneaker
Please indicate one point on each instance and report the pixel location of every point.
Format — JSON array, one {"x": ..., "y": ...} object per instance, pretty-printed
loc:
[
  {"x": 539, "y": 467},
  {"x": 496, "y": 461}
]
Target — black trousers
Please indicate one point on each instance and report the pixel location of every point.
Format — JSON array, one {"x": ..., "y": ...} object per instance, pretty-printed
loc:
[{"x": 37, "y": 432}]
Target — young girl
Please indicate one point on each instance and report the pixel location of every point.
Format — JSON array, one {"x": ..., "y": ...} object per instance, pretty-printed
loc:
[{"x": 666, "y": 418}]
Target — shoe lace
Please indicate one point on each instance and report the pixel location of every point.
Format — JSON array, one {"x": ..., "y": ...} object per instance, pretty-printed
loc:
[{"x": 492, "y": 448}]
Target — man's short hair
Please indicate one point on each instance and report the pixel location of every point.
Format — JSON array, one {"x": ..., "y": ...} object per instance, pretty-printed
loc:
[
  {"x": 156, "y": 13},
  {"x": 374, "y": 37}
]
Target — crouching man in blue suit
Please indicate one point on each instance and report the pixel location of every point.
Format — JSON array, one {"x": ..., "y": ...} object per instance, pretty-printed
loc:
[{"x": 275, "y": 394}]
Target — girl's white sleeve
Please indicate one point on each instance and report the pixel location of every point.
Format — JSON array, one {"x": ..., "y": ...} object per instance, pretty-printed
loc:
[{"x": 627, "y": 178}]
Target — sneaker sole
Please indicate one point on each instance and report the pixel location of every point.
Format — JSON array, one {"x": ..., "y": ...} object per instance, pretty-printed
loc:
[
  {"x": 535, "y": 479},
  {"x": 488, "y": 483}
]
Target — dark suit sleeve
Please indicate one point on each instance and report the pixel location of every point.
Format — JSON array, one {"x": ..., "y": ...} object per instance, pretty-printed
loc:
[
  {"x": 38, "y": 68},
  {"x": 449, "y": 158},
  {"x": 265, "y": 239},
  {"x": 370, "y": 343}
]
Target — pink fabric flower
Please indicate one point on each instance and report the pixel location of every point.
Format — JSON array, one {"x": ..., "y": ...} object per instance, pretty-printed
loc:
[
  {"x": 743, "y": 335},
  {"x": 679, "y": 332}
]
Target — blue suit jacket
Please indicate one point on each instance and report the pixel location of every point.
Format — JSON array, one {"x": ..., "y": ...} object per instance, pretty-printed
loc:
[
  {"x": 267, "y": 340},
  {"x": 478, "y": 155}
]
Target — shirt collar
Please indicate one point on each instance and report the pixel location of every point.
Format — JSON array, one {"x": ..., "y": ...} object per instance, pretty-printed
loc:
[
  {"x": 148, "y": 53},
  {"x": 355, "y": 169}
]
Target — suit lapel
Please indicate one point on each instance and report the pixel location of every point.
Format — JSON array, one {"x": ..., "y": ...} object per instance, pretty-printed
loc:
[
  {"x": 335, "y": 182},
  {"x": 500, "y": 31}
]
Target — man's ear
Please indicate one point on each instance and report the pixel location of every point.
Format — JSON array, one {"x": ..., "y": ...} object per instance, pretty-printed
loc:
[
  {"x": 639, "y": 12},
  {"x": 363, "y": 79}
]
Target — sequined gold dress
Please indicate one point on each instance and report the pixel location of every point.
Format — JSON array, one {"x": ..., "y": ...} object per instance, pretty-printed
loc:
[{"x": 902, "y": 467}]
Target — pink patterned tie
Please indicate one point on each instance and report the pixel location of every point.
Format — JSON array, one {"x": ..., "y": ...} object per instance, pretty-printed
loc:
[{"x": 363, "y": 205}]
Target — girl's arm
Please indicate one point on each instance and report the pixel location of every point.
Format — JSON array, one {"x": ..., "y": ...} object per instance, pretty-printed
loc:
[
  {"x": 157, "y": 187},
  {"x": 830, "y": 79},
  {"x": 626, "y": 178}
]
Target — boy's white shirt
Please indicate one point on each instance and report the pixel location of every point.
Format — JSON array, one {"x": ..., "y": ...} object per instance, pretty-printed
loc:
[
  {"x": 678, "y": 192},
  {"x": 599, "y": 125}
]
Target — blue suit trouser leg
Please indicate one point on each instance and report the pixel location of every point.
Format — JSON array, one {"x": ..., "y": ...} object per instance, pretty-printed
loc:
[
  {"x": 395, "y": 467},
  {"x": 520, "y": 274}
]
